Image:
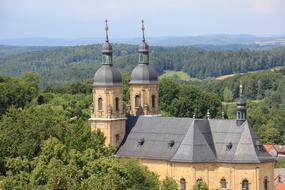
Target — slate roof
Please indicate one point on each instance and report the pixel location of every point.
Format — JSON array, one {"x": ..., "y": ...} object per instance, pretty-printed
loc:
[
  {"x": 195, "y": 140},
  {"x": 144, "y": 74},
  {"x": 107, "y": 75}
]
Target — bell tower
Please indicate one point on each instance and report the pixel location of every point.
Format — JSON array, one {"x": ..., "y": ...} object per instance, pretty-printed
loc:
[
  {"x": 107, "y": 111},
  {"x": 241, "y": 107},
  {"x": 144, "y": 86}
]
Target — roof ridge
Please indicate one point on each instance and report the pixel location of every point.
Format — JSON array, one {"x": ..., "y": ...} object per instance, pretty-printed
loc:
[
  {"x": 189, "y": 128},
  {"x": 204, "y": 138},
  {"x": 251, "y": 143},
  {"x": 213, "y": 148}
]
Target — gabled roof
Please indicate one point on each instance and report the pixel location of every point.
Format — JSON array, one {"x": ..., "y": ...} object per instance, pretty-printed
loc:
[
  {"x": 195, "y": 140},
  {"x": 268, "y": 147}
]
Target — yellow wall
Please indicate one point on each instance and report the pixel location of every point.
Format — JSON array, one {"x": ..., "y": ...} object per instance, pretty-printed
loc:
[
  {"x": 108, "y": 95},
  {"x": 110, "y": 124},
  {"x": 212, "y": 173},
  {"x": 145, "y": 91}
]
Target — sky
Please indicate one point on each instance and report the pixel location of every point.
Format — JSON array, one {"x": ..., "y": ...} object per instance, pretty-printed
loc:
[{"x": 85, "y": 18}]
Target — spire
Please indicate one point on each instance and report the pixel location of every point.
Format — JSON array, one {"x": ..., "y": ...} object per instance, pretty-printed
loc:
[
  {"x": 106, "y": 30},
  {"x": 143, "y": 48},
  {"x": 107, "y": 48},
  {"x": 241, "y": 107},
  {"x": 240, "y": 89},
  {"x": 143, "y": 38}
]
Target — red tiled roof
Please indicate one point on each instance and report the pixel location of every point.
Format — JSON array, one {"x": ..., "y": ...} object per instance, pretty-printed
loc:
[
  {"x": 280, "y": 186},
  {"x": 267, "y": 147}
]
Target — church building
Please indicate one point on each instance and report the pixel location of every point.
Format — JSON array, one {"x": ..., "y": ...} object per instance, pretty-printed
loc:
[{"x": 225, "y": 154}]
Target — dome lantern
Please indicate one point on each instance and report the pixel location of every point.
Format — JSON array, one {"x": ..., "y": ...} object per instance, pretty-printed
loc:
[{"x": 107, "y": 75}]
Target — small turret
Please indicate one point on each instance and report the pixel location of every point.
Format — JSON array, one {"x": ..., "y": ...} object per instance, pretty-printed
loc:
[{"x": 241, "y": 107}]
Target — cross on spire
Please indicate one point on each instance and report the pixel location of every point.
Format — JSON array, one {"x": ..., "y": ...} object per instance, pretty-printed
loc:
[
  {"x": 106, "y": 30},
  {"x": 143, "y": 39}
]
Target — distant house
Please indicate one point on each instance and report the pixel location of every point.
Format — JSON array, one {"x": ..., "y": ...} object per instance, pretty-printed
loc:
[
  {"x": 270, "y": 149},
  {"x": 280, "y": 150},
  {"x": 279, "y": 175},
  {"x": 279, "y": 178}
]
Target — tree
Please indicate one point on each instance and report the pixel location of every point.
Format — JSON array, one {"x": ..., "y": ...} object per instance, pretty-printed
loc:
[
  {"x": 23, "y": 130},
  {"x": 169, "y": 184},
  {"x": 200, "y": 185},
  {"x": 228, "y": 95},
  {"x": 58, "y": 167},
  {"x": 18, "y": 92}
]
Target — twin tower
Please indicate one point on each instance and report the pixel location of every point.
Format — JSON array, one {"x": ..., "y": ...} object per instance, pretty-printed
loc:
[{"x": 108, "y": 112}]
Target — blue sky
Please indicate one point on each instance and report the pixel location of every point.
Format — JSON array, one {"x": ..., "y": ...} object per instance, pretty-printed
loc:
[{"x": 85, "y": 18}]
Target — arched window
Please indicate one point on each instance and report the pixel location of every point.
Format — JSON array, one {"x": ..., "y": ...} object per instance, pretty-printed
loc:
[
  {"x": 106, "y": 59},
  {"x": 137, "y": 101},
  {"x": 141, "y": 58},
  {"x": 245, "y": 184},
  {"x": 238, "y": 115},
  {"x": 100, "y": 104},
  {"x": 153, "y": 101},
  {"x": 117, "y": 140},
  {"x": 223, "y": 183},
  {"x": 265, "y": 183},
  {"x": 182, "y": 184},
  {"x": 117, "y": 103}
]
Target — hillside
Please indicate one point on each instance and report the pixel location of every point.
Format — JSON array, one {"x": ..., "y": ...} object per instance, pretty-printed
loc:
[
  {"x": 211, "y": 41},
  {"x": 58, "y": 65}
]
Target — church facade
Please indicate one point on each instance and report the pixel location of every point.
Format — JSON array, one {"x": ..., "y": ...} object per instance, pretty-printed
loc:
[{"x": 226, "y": 154}]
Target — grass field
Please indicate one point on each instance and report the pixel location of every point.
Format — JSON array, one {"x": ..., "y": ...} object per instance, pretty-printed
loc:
[
  {"x": 223, "y": 77},
  {"x": 178, "y": 75}
]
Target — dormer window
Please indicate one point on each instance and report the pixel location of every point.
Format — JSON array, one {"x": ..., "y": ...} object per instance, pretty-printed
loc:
[
  {"x": 171, "y": 143},
  {"x": 141, "y": 142},
  {"x": 229, "y": 146},
  {"x": 259, "y": 146}
]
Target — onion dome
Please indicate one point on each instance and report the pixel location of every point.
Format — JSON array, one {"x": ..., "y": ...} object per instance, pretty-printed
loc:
[
  {"x": 107, "y": 75},
  {"x": 143, "y": 73}
]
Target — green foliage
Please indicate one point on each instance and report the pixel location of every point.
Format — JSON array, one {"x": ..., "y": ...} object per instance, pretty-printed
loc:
[
  {"x": 200, "y": 185},
  {"x": 18, "y": 92},
  {"x": 280, "y": 163},
  {"x": 126, "y": 86},
  {"x": 228, "y": 95},
  {"x": 23, "y": 130},
  {"x": 187, "y": 100},
  {"x": 169, "y": 184},
  {"x": 58, "y": 167},
  {"x": 266, "y": 116},
  {"x": 175, "y": 75},
  {"x": 63, "y": 65}
]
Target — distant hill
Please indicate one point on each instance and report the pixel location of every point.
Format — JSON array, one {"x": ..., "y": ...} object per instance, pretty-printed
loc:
[
  {"x": 59, "y": 65},
  {"x": 219, "y": 41},
  {"x": 13, "y": 50}
]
